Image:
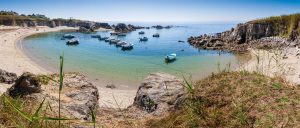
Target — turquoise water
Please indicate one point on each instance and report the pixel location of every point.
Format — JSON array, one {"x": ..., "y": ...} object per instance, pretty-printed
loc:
[{"x": 106, "y": 63}]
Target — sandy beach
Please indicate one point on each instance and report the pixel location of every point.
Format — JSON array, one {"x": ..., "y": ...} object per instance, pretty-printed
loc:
[
  {"x": 12, "y": 59},
  {"x": 284, "y": 62}
]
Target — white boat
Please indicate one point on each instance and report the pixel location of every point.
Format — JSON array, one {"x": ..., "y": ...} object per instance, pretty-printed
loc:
[
  {"x": 156, "y": 35},
  {"x": 121, "y": 43},
  {"x": 108, "y": 39},
  {"x": 144, "y": 39},
  {"x": 73, "y": 41},
  {"x": 121, "y": 34},
  {"x": 68, "y": 36},
  {"x": 127, "y": 46},
  {"x": 114, "y": 41},
  {"x": 170, "y": 57}
]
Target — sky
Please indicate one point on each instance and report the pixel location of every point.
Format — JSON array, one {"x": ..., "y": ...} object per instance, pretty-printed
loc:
[{"x": 155, "y": 10}]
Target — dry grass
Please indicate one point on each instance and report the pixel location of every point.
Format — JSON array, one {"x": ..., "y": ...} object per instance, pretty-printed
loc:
[
  {"x": 285, "y": 24},
  {"x": 237, "y": 99}
]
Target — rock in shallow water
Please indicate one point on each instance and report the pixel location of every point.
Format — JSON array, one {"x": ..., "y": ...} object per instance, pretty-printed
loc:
[{"x": 110, "y": 85}]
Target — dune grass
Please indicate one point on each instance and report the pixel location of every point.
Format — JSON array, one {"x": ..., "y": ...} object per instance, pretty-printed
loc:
[
  {"x": 284, "y": 24},
  {"x": 237, "y": 99}
]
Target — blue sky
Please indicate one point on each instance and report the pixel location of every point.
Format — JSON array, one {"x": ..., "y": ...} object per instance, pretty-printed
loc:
[{"x": 155, "y": 10}]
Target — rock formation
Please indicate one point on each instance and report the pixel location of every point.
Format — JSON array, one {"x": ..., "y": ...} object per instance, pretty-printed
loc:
[
  {"x": 161, "y": 27},
  {"x": 26, "y": 84},
  {"x": 78, "y": 98},
  {"x": 158, "y": 93},
  {"x": 247, "y": 35},
  {"x": 7, "y": 77},
  {"x": 123, "y": 28}
]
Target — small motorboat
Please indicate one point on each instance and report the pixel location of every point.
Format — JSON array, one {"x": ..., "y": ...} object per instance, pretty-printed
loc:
[
  {"x": 96, "y": 36},
  {"x": 121, "y": 43},
  {"x": 114, "y": 41},
  {"x": 180, "y": 41},
  {"x": 170, "y": 57},
  {"x": 68, "y": 36},
  {"x": 73, "y": 41},
  {"x": 121, "y": 34},
  {"x": 127, "y": 46},
  {"x": 156, "y": 35},
  {"x": 141, "y": 32},
  {"x": 144, "y": 39},
  {"x": 103, "y": 38},
  {"x": 108, "y": 39},
  {"x": 114, "y": 33}
]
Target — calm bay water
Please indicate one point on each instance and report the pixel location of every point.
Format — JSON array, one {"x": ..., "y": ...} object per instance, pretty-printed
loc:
[{"x": 106, "y": 63}]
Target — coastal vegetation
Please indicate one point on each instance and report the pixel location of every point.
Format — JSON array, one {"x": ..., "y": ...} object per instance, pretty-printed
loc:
[
  {"x": 286, "y": 24},
  {"x": 237, "y": 99}
]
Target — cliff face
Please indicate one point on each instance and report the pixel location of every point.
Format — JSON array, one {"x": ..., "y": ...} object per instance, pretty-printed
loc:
[{"x": 244, "y": 35}]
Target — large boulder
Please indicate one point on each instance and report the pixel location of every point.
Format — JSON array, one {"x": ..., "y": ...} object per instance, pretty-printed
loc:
[
  {"x": 7, "y": 77},
  {"x": 159, "y": 93},
  {"x": 78, "y": 97},
  {"x": 26, "y": 84}
]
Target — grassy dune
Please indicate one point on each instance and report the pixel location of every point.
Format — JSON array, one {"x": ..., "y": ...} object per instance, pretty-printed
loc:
[{"x": 237, "y": 99}]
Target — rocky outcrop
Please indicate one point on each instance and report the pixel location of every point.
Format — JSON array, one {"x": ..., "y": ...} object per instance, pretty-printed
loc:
[
  {"x": 102, "y": 25},
  {"x": 26, "y": 84},
  {"x": 123, "y": 28},
  {"x": 161, "y": 27},
  {"x": 7, "y": 77},
  {"x": 159, "y": 93},
  {"x": 245, "y": 36},
  {"x": 78, "y": 96}
]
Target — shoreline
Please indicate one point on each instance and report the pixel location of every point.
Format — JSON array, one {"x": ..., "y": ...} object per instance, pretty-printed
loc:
[{"x": 14, "y": 60}]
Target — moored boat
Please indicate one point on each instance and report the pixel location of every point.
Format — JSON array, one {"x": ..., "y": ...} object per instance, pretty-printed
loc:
[
  {"x": 170, "y": 57},
  {"x": 114, "y": 41},
  {"x": 121, "y": 34},
  {"x": 144, "y": 39},
  {"x": 96, "y": 36},
  {"x": 73, "y": 41},
  {"x": 120, "y": 43},
  {"x": 114, "y": 33},
  {"x": 127, "y": 46},
  {"x": 68, "y": 36},
  {"x": 103, "y": 38},
  {"x": 156, "y": 35},
  {"x": 108, "y": 39},
  {"x": 141, "y": 32}
]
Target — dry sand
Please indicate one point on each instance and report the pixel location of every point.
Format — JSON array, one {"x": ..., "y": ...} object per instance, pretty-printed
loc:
[{"x": 284, "y": 62}]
